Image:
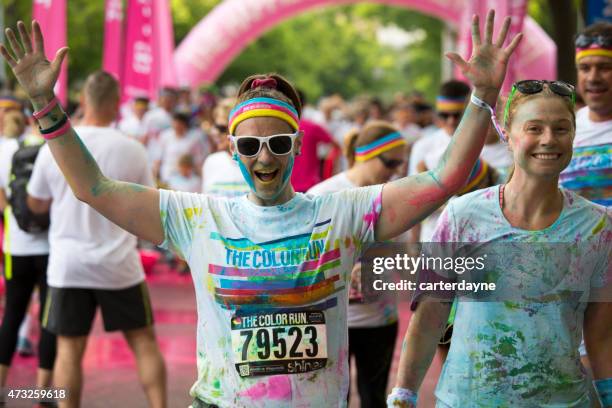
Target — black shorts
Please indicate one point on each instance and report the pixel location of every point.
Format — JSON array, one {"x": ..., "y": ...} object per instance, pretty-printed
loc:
[{"x": 71, "y": 311}]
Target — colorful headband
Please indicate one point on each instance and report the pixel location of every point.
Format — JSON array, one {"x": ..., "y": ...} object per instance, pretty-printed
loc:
[
  {"x": 446, "y": 104},
  {"x": 593, "y": 50},
  {"x": 379, "y": 146},
  {"x": 478, "y": 173},
  {"x": 263, "y": 107},
  {"x": 10, "y": 104}
]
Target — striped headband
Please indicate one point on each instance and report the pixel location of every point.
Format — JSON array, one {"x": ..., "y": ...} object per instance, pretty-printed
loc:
[
  {"x": 379, "y": 146},
  {"x": 9, "y": 103},
  {"x": 263, "y": 107},
  {"x": 446, "y": 104},
  {"x": 476, "y": 176},
  {"x": 593, "y": 50}
]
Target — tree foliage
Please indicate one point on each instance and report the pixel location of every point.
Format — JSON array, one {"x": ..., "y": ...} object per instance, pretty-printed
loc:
[{"x": 327, "y": 50}]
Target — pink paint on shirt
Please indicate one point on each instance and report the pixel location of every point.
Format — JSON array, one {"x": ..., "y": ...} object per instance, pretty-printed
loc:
[
  {"x": 277, "y": 387},
  {"x": 371, "y": 218}
]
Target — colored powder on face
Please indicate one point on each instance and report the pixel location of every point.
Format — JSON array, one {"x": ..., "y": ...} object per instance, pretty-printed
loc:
[
  {"x": 245, "y": 172},
  {"x": 251, "y": 183}
]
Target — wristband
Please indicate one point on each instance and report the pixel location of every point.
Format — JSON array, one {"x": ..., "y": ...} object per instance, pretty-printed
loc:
[
  {"x": 61, "y": 128},
  {"x": 483, "y": 105},
  {"x": 401, "y": 395},
  {"x": 55, "y": 126},
  {"x": 39, "y": 114},
  {"x": 604, "y": 390}
]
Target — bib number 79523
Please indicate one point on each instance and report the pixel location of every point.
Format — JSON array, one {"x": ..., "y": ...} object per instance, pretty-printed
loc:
[{"x": 279, "y": 343}]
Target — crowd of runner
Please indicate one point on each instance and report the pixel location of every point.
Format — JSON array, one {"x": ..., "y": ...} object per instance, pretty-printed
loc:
[{"x": 269, "y": 201}]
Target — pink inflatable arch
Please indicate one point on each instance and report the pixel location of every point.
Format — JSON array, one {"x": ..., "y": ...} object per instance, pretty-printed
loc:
[{"x": 219, "y": 37}]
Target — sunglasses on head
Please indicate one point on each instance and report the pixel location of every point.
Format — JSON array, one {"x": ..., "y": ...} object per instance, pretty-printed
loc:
[
  {"x": 250, "y": 146},
  {"x": 534, "y": 86},
  {"x": 585, "y": 41},
  {"x": 391, "y": 164}
]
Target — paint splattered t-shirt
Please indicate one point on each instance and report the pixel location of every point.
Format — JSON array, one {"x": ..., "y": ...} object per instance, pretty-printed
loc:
[
  {"x": 271, "y": 291},
  {"x": 523, "y": 352},
  {"x": 590, "y": 171}
]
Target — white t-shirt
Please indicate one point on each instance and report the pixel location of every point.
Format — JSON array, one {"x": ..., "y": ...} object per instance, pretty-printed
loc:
[
  {"x": 155, "y": 121},
  {"x": 589, "y": 133},
  {"x": 133, "y": 127},
  {"x": 371, "y": 314},
  {"x": 86, "y": 249},
  {"x": 16, "y": 241},
  {"x": 422, "y": 146},
  {"x": 221, "y": 176},
  {"x": 173, "y": 147},
  {"x": 275, "y": 277}
]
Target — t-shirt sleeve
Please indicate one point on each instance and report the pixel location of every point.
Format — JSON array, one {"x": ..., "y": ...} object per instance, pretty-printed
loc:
[
  {"x": 182, "y": 214},
  {"x": 38, "y": 185},
  {"x": 366, "y": 205}
]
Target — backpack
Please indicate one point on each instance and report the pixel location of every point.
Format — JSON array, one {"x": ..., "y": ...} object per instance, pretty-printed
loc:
[{"x": 21, "y": 170}]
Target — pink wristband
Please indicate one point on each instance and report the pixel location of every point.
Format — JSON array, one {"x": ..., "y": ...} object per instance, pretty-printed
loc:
[
  {"x": 61, "y": 131},
  {"x": 39, "y": 114}
]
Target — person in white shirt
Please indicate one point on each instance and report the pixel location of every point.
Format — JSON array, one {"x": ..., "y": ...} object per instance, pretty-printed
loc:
[
  {"x": 158, "y": 119},
  {"x": 92, "y": 262},
  {"x": 426, "y": 153},
  {"x": 372, "y": 322},
  {"x": 186, "y": 178},
  {"x": 590, "y": 171},
  {"x": 177, "y": 141},
  {"x": 404, "y": 117},
  {"x": 220, "y": 173},
  {"x": 25, "y": 263},
  {"x": 133, "y": 125}
]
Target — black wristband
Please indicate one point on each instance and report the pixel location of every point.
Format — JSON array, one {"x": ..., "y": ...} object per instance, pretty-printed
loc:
[{"x": 56, "y": 126}]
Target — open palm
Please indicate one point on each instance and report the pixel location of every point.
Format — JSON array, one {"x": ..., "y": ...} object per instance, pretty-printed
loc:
[
  {"x": 35, "y": 73},
  {"x": 486, "y": 68}
]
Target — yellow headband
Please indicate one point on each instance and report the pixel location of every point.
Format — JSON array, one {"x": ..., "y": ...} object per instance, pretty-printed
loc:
[
  {"x": 600, "y": 52},
  {"x": 257, "y": 113}
]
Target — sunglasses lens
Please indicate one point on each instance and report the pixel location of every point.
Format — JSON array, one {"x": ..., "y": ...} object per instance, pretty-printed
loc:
[
  {"x": 529, "y": 87},
  {"x": 248, "y": 146},
  {"x": 280, "y": 144},
  {"x": 562, "y": 88}
]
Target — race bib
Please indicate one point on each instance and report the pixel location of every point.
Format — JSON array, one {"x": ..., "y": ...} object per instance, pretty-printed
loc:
[{"x": 279, "y": 342}]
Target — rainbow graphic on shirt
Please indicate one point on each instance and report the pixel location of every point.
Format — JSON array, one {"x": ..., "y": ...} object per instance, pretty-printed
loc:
[
  {"x": 590, "y": 173},
  {"x": 284, "y": 273}
]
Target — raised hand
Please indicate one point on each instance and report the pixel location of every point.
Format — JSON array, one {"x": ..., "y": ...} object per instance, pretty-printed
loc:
[
  {"x": 35, "y": 73},
  {"x": 486, "y": 68}
]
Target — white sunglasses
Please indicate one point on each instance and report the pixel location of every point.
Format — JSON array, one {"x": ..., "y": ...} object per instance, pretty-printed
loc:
[{"x": 250, "y": 146}]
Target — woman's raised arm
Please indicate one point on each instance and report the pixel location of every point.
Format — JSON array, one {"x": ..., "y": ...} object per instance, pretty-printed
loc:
[
  {"x": 408, "y": 201},
  {"x": 131, "y": 206}
]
